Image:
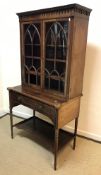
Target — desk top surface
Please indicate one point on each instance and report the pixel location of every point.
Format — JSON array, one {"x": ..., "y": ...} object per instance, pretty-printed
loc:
[{"x": 38, "y": 95}]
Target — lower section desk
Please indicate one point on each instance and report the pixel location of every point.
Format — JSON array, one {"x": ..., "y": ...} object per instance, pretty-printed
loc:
[{"x": 58, "y": 110}]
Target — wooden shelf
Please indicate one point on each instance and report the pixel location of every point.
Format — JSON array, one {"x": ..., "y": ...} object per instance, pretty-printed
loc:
[
  {"x": 57, "y": 60},
  {"x": 54, "y": 77},
  {"x": 32, "y": 44},
  {"x": 33, "y": 57},
  {"x": 49, "y": 45},
  {"x": 32, "y": 72}
]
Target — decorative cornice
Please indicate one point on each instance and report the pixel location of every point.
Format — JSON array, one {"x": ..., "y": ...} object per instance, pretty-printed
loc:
[{"x": 63, "y": 9}]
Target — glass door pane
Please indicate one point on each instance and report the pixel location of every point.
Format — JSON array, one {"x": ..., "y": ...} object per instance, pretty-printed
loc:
[
  {"x": 56, "y": 35},
  {"x": 32, "y": 54}
]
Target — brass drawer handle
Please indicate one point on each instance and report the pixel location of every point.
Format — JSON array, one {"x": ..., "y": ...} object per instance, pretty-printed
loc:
[
  {"x": 40, "y": 107},
  {"x": 19, "y": 99}
]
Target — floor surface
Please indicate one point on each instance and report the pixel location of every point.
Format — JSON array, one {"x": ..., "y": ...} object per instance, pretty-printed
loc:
[{"x": 30, "y": 153}]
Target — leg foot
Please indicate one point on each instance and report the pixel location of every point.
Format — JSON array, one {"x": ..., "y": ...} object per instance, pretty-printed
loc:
[
  {"x": 34, "y": 119},
  {"x": 75, "y": 133},
  {"x": 56, "y": 147},
  {"x": 11, "y": 123}
]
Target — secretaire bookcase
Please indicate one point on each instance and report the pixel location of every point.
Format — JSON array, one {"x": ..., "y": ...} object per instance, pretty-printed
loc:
[{"x": 53, "y": 45}]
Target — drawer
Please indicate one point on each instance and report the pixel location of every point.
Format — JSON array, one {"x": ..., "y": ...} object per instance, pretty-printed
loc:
[{"x": 32, "y": 103}]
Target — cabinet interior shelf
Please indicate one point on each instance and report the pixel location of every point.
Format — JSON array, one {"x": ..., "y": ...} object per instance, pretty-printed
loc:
[
  {"x": 57, "y": 60},
  {"x": 32, "y": 72},
  {"x": 63, "y": 46},
  {"x": 55, "y": 77},
  {"x": 30, "y": 44},
  {"x": 33, "y": 57}
]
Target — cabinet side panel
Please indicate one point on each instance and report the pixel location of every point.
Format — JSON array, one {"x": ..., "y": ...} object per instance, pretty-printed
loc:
[
  {"x": 78, "y": 56},
  {"x": 68, "y": 111}
]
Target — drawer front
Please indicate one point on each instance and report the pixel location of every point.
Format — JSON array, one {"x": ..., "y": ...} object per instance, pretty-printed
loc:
[{"x": 41, "y": 107}]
